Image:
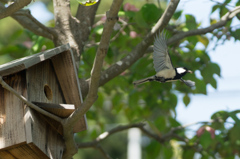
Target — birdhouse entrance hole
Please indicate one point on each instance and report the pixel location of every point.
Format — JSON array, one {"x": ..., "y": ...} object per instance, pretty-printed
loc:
[{"x": 48, "y": 92}]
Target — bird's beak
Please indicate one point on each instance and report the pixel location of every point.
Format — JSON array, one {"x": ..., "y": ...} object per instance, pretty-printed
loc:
[{"x": 189, "y": 71}]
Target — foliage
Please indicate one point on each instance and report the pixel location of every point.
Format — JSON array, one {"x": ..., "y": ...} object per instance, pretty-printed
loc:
[{"x": 120, "y": 102}]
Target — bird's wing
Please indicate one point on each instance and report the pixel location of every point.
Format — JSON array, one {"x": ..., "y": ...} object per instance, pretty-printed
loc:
[
  {"x": 161, "y": 58},
  {"x": 188, "y": 82}
]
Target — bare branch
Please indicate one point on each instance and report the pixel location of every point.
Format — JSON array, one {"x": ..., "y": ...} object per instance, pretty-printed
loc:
[
  {"x": 138, "y": 52},
  {"x": 140, "y": 49},
  {"x": 25, "y": 18},
  {"x": 228, "y": 16},
  {"x": 161, "y": 139},
  {"x": 33, "y": 106},
  {"x": 86, "y": 16},
  {"x": 112, "y": 17},
  {"x": 12, "y": 8},
  {"x": 106, "y": 134},
  {"x": 124, "y": 25}
]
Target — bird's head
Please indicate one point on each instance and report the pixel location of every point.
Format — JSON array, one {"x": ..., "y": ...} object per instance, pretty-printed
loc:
[{"x": 182, "y": 70}]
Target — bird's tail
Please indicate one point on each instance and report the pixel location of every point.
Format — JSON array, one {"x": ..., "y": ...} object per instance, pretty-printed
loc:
[
  {"x": 141, "y": 81},
  {"x": 188, "y": 82}
]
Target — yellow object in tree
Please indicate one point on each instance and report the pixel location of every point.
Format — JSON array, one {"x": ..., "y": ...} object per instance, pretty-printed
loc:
[{"x": 87, "y": 2}]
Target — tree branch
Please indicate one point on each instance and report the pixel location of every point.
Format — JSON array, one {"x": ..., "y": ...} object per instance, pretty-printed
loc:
[
  {"x": 25, "y": 18},
  {"x": 31, "y": 105},
  {"x": 12, "y": 8},
  {"x": 161, "y": 139},
  {"x": 140, "y": 49},
  {"x": 228, "y": 16},
  {"x": 106, "y": 134},
  {"x": 86, "y": 16},
  {"x": 112, "y": 17},
  {"x": 126, "y": 62}
]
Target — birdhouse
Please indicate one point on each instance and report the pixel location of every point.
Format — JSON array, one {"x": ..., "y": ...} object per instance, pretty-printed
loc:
[{"x": 49, "y": 80}]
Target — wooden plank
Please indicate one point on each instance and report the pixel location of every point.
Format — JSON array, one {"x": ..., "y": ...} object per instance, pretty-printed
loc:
[
  {"x": 44, "y": 137},
  {"x": 25, "y": 151},
  {"x": 42, "y": 134},
  {"x": 61, "y": 110},
  {"x": 65, "y": 69},
  {"x": 6, "y": 155},
  {"x": 12, "y": 130},
  {"x": 39, "y": 77},
  {"x": 26, "y": 62}
]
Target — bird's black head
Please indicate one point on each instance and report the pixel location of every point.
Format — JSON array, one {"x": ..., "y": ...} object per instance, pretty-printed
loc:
[{"x": 181, "y": 71}]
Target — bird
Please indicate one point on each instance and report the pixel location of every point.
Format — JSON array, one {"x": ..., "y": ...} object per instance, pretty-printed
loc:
[{"x": 165, "y": 72}]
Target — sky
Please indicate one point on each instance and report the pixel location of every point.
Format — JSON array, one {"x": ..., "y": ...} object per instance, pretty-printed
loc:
[{"x": 227, "y": 95}]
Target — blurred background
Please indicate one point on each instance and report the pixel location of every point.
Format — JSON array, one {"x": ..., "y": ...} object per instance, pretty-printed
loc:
[{"x": 213, "y": 57}]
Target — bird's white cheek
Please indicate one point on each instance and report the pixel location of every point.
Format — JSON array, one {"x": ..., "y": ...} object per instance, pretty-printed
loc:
[{"x": 181, "y": 70}]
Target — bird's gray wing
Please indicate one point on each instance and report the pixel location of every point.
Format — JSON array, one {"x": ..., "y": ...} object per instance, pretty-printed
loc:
[{"x": 161, "y": 58}]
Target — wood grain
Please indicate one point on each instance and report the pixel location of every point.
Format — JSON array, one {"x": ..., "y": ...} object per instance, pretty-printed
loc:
[
  {"x": 42, "y": 134},
  {"x": 67, "y": 76},
  {"x": 12, "y": 130},
  {"x": 26, "y": 62}
]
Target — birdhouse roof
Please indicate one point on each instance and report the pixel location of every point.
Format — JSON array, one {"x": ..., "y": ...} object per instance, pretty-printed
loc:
[{"x": 26, "y": 62}]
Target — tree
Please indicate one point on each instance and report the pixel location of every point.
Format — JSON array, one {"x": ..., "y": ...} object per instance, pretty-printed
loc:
[{"x": 115, "y": 50}]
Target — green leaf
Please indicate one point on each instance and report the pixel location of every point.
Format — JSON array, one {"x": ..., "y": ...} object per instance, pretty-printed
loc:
[
  {"x": 213, "y": 83},
  {"x": 204, "y": 40},
  {"x": 215, "y": 68},
  {"x": 190, "y": 22},
  {"x": 220, "y": 114},
  {"x": 138, "y": 18},
  {"x": 215, "y": 7},
  {"x": 173, "y": 100},
  {"x": 223, "y": 11},
  {"x": 213, "y": 21},
  {"x": 177, "y": 14},
  {"x": 150, "y": 13},
  {"x": 186, "y": 100},
  {"x": 160, "y": 123},
  {"x": 188, "y": 153},
  {"x": 236, "y": 34},
  {"x": 167, "y": 152},
  {"x": 205, "y": 140},
  {"x": 99, "y": 29},
  {"x": 100, "y": 100},
  {"x": 234, "y": 133},
  {"x": 200, "y": 86}
]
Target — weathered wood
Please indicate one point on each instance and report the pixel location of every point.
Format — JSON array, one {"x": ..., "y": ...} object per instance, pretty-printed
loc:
[
  {"x": 26, "y": 152},
  {"x": 65, "y": 69},
  {"x": 42, "y": 134},
  {"x": 12, "y": 130},
  {"x": 61, "y": 110},
  {"x": 38, "y": 77},
  {"x": 6, "y": 154},
  {"x": 48, "y": 77},
  {"x": 26, "y": 62}
]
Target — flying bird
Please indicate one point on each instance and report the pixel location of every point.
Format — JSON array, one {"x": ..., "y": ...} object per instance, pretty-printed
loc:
[{"x": 165, "y": 72}]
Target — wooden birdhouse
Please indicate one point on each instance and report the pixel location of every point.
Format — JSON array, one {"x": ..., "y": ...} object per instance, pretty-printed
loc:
[{"x": 49, "y": 80}]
